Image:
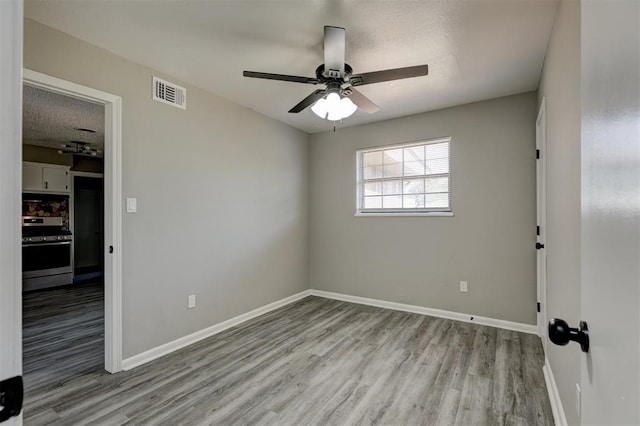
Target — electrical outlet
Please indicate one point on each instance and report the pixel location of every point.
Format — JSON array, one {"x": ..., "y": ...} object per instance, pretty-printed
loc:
[
  {"x": 578, "y": 399},
  {"x": 463, "y": 286},
  {"x": 191, "y": 301}
]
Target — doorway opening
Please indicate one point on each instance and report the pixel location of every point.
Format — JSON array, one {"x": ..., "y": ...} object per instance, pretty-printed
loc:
[
  {"x": 88, "y": 227},
  {"x": 81, "y": 202}
]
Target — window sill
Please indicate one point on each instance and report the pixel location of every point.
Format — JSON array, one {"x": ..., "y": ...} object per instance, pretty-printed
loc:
[{"x": 407, "y": 214}]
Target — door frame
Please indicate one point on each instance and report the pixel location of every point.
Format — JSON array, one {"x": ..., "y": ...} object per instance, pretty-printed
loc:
[
  {"x": 112, "y": 204},
  {"x": 11, "y": 21},
  {"x": 541, "y": 219}
]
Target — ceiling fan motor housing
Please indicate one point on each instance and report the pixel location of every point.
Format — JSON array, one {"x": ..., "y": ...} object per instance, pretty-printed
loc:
[
  {"x": 333, "y": 74},
  {"x": 336, "y": 84}
]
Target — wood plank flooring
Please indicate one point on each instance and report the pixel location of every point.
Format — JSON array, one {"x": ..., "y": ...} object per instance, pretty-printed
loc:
[
  {"x": 63, "y": 335},
  {"x": 318, "y": 362}
]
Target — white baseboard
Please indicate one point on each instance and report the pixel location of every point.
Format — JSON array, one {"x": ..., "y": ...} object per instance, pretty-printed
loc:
[
  {"x": 492, "y": 322},
  {"x": 157, "y": 352},
  {"x": 559, "y": 417},
  {"x": 167, "y": 348}
]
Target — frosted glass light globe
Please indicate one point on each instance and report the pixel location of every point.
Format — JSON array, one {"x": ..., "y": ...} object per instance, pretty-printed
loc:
[{"x": 333, "y": 108}]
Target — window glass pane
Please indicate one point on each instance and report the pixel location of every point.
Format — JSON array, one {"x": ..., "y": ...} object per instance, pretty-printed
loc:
[
  {"x": 392, "y": 187},
  {"x": 392, "y": 170},
  {"x": 413, "y": 186},
  {"x": 392, "y": 156},
  {"x": 392, "y": 201},
  {"x": 414, "y": 168},
  {"x": 439, "y": 184},
  {"x": 372, "y": 158},
  {"x": 372, "y": 202},
  {"x": 437, "y": 150},
  {"x": 402, "y": 177},
  {"x": 372, "y": 172},
  {"x": 437, "y": 166},
  {"x": 413, "y": 201},
  {"x": 373, "y": 188},
  {"x": 414, "y": 153},
  {"x": 436, "y": 200}
]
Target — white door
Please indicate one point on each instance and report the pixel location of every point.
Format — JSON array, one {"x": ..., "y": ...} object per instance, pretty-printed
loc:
[
  {"x": 541, "y": 215},
  {"x": 611, "y": 211},
  {"x": 10, "y": 192}
]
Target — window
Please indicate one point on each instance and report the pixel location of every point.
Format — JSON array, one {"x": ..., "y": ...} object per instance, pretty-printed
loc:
[{"x": 406, "y": 178}]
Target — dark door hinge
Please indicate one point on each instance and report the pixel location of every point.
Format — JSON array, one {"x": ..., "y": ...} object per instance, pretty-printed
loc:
[
  {"x": 538, "y": 306},
  {"x": 537, "y": 230},
  {"x": 539, "y": 246},
  {"x": 11, "y": 394},
  {"x": 110, "y": 249},
  {"x": 537, "y": 154}
]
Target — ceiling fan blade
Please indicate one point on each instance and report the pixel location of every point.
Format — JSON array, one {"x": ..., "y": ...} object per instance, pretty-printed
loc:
[
  {"x": 281, "y": 77},
  {"x": 362, "y": 101},
  {"x": 388, "y": 75},
  {"x": 334, "y": 51},
  {"x": 308, "y": 101}
]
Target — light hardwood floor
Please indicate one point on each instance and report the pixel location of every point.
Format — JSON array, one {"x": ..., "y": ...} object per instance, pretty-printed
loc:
[{"x": 314, "y": 362}]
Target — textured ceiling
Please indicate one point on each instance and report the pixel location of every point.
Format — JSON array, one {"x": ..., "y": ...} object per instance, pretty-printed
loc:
[
  {"x": 475, "y": 49},
  {"x": 50, "y": 119}
]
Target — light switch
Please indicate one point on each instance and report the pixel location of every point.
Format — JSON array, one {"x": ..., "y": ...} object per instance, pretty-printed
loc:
[{"x": 132, "y": 205}]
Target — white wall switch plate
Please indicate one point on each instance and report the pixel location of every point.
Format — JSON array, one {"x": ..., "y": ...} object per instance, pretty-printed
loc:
[
  {"x": 132, "y": 205},
  {"x": 192, "y": 301},
  {"x": 463, "y": 286}
]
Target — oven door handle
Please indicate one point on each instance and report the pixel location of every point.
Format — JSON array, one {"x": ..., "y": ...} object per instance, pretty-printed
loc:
[{"x": 53, "y": 243}]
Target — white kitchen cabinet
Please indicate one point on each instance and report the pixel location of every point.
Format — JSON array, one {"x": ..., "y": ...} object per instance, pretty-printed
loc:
[
  {"x": 39, "y": 177},
  {"x": 55, "y": 179},
  {"x": 31, "y": 177}
]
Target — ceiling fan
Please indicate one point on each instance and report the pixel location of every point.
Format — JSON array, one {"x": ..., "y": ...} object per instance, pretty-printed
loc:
[{"x": 339, "y": 99}]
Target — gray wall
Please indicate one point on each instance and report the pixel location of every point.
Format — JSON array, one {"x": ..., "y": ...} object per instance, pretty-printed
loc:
[
  {"x": 420, "y": 260},
  {"x": 560, "y": 85},
  {"x": 40, "y": 154},
  {"x": 222, "y": 204}
]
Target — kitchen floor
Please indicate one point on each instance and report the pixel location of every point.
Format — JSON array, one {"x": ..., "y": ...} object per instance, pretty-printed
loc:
[{"x": 62, "y": 335}]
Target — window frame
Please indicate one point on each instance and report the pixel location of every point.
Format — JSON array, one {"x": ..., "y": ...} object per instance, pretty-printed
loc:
[{"x": 377, "y": 212}]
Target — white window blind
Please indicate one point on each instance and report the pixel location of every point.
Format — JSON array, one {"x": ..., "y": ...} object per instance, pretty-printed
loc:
[{"x": 411, "y": 177}]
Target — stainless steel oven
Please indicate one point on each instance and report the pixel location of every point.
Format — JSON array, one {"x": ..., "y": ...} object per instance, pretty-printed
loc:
[{"x": 46, "y": 253}]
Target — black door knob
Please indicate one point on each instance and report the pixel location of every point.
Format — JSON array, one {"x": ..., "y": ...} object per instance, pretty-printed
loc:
[{"x": 560, "y": 333}]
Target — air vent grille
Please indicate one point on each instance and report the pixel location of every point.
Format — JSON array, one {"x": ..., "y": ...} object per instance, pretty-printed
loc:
[{"x": 169, "y": 93}]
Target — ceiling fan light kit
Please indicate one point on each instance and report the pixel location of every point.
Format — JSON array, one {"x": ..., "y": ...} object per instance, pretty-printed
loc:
[
  {"x": 333, "y": 107},
  {"x": 79, "y": 148},
  {"x": 339, "y": 99}
]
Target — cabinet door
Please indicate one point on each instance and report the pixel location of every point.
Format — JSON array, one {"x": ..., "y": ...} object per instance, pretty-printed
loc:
[
  {"x": 32, "y": 177},
  {"x": 55, "y": 179}
]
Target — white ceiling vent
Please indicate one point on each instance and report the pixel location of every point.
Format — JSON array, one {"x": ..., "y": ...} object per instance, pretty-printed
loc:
[{"x": 169, "y": 93}]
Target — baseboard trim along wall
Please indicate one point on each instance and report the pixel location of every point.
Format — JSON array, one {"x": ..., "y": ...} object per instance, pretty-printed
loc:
[
  {"x": 167, "y": 348},
  {"x": 559, "y": 417},
  {"x": 457, "y": 316}
]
